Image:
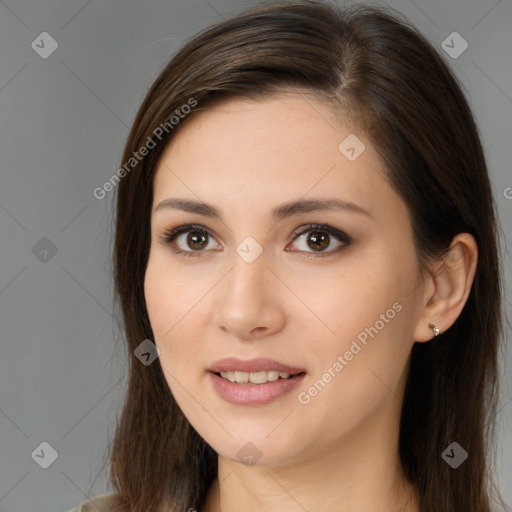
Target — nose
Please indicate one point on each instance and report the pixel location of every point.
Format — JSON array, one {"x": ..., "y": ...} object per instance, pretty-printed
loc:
[{"x": 250, "y": 300}]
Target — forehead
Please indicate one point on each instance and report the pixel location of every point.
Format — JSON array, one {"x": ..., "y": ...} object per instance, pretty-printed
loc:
[{"x": 268, "y": 151}]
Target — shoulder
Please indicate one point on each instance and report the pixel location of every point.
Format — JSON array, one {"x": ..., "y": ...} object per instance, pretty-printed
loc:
[{"x": 103, "y": 503}]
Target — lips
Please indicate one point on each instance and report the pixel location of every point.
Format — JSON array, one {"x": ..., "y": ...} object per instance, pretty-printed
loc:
[
  {"x": 232, "y": 364},
  {"x": 249, "y": 393}
]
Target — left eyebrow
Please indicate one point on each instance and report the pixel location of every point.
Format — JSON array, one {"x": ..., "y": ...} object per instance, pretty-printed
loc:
[
  {"x": 311, "y": 205},
  {"x": 278, "y": 213}
]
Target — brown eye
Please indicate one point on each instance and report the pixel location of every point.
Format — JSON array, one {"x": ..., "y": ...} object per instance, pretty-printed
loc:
[
  {"x": 318, "y": 241},
  {"x": 316, "y": 238},
  {"x": 197, "y": 240},
  {"x": 187, "y": 240}
]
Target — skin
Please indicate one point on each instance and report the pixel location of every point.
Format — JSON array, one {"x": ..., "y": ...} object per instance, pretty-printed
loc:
[{"x": 245, "y": 158}]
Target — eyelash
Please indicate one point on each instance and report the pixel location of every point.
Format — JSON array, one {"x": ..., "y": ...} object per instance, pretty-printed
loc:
[{"x": 168, "y": 236}]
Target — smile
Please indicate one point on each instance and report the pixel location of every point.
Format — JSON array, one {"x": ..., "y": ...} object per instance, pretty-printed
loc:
[
  {"x": 254, "y": 377},
  {"x": 252, "y": 393}
]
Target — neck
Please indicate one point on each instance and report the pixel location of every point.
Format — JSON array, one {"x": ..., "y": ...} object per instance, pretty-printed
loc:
[{"x": 364, "y": 475}]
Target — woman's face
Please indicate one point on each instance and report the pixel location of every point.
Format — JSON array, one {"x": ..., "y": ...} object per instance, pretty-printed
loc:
[{"x": 338, "y": 302}]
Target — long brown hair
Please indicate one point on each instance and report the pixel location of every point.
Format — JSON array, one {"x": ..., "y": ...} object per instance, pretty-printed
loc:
[{"x": 371, "y": 64}]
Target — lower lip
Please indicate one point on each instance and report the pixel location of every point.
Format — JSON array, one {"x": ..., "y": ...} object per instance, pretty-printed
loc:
[{"x": 253, "y": 394}]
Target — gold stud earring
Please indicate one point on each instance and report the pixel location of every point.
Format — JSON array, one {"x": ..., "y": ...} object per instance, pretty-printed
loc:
[{"x": 435, "y": 329}]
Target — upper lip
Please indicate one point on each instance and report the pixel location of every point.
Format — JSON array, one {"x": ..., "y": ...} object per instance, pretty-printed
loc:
[{"x": 231, "y": 364}]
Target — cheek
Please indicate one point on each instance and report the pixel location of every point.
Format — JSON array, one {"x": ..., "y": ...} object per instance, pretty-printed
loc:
[
  {"x": 175, "y": 308},
  {"x": 164, "y": 311},
  {"x": 364, "y": 289},
  {"x": 360, "y": 369},
  {"x": 157, "y": 294},
  {"x": 168, "y": 293},
  {"x": 369, "y": 310}
]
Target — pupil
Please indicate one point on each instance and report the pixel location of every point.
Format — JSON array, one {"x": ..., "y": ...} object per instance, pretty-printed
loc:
[
  {"x": 196, "y": 237},
  {"x": 321, "y": 240}
]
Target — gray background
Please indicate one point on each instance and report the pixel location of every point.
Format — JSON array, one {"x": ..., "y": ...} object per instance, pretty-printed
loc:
[{"x": 64, "y": 120}]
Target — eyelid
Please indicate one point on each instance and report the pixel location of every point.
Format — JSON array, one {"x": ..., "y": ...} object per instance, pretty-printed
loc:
[
  {"x": 337, "y": 233},
  {"x": 168, "y": 236}
]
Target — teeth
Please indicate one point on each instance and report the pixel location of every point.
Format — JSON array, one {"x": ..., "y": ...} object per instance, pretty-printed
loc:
[
  {"x": 272, "y": 375},
  {"x": 254, "y": 377},
  {"x": 258, "y": 377},
  {"x": 241, "y": 377}
]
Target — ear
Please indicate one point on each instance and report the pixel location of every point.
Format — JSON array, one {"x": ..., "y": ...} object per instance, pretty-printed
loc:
[{"x": 447, "y": 288}]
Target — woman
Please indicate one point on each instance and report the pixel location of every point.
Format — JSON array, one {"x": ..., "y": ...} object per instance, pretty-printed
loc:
[{"x": 306, "y": 264}]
